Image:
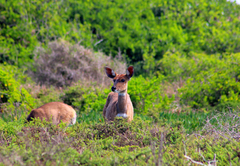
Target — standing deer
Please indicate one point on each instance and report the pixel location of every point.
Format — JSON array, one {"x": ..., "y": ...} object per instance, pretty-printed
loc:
[
  {"x": 119, "y": 104},
  {"x": 55, "y": 112}
]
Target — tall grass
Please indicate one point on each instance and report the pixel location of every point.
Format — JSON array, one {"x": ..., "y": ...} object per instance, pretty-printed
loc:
[{"x": 191, "y": 121}]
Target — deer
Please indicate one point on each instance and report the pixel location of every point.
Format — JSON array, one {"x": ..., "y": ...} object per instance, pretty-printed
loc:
[
  {"x": 118, "y": 102},
  {"x": 54, "y": 112}
]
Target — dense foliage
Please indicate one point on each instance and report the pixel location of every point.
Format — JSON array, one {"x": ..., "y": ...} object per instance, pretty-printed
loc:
[
  {"x": 142, "y": 30},
  {"x": 27, "y": 24},
  {"x": 14, "y": 99},
  {"x": 209, "y": 80}
]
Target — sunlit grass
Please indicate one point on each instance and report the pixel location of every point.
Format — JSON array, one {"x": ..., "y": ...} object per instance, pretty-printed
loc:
[{"x": 191, "y": 120}]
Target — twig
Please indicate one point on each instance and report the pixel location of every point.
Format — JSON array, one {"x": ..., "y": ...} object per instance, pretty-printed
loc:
[
  {"x": 199, "y": 163},
  {"x": 160, "y": 151},
  {"x": 196, "y": 162},
  {"x": 98, "y": 42}
]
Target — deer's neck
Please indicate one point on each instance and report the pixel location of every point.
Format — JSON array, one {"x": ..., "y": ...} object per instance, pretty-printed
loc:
[{"x": 122, "y": 105}]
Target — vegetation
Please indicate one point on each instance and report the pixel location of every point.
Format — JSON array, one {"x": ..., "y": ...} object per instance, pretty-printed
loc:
[
  {"x": 185, "y": 89},
  {"x": 209, "y": 80},
  {"x": 12, "y": 95},
  {"x": 64, "y": 63},
  {"x": 120, "y": 143}
]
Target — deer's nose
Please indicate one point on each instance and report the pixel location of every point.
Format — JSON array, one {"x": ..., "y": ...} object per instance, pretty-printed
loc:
[{"x": 113, "y": 88}]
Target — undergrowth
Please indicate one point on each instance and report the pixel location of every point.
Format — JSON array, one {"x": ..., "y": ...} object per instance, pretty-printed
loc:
[{"x": 115, "y": 143}]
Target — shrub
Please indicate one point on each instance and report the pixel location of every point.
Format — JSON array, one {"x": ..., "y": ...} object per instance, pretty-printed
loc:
[
  {"x": 141, "y": 30},
  {"x": 214, "y": 86},
  {"x": 32, "y": 23},
  {"x": 64, "y": 63},
  {"x": 12, "y": 96},
  {"x": 148, "y": 29},
  {"x": 209, "y": 80},
  {"x": 86, "y": 98},
  {"x": 147, "y": 95}
]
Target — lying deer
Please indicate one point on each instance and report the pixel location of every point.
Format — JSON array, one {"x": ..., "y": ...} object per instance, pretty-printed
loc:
[
  {"x": 55, "y": 112},
  {"x": 118, "y": 102}
]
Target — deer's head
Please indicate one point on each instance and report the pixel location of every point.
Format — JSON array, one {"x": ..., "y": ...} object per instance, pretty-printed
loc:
[{"x": 120, "y": 81}]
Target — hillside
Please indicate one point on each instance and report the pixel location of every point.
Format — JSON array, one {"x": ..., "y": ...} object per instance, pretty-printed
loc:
[{"x": 185, "y": 89}]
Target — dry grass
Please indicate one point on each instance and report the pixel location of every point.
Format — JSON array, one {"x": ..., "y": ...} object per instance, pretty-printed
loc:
[
  {"x": 226, "y": 125},
  {"x": 171, "y": 89},
  {"x": 63, "y": 63}
]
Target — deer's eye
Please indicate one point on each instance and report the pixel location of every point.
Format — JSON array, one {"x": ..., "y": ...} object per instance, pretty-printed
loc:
[{"x": 122, "y": 80}]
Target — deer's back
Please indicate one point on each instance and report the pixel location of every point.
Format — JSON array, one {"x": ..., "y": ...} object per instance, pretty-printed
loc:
[{"x": 55, "y": 111}]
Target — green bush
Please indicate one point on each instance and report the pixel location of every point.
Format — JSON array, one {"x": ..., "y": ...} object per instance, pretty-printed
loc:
[
  {"x": 147, "y": 29},
  {"x": 86, "y": 98},
  {"x": 13, "y": 97},
  {"x": 208, "y": 80},
  {"x": 147, "y": 95},
  {"x": 25, "y": 25},
  {"x": 215, "y": 85},
  {"x": 142, "y": 30}
]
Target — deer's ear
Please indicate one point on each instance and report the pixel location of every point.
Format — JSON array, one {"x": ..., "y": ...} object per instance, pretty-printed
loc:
[
  {"x": 130, "y": 71},
  {"x": 110, "y": 73}
]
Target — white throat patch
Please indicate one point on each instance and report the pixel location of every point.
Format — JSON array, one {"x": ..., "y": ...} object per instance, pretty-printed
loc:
[
  {"x": 121, "y": 94},
  {"x": 122, "y": 115}
]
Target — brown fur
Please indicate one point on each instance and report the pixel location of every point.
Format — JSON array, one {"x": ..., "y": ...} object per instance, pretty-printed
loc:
[
  {"x": 116, "y": 102},
  {"x": 55, "y": 112}
]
